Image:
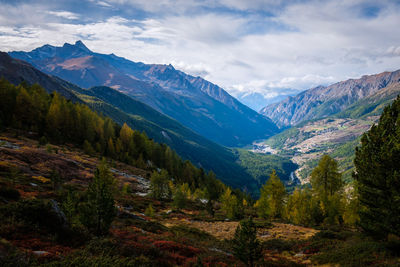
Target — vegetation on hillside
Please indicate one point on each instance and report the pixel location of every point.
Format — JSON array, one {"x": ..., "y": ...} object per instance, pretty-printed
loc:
[
  {"x": 261, "y": 165},
  {"x": 378, "y": 175},
  {"x": 54, "y": 118},
  {"x": 64, "y": 205}
]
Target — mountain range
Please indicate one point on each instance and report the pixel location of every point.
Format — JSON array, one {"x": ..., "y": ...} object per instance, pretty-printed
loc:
[
  {"x": 124, "y": 109},
  {"x": 324, "y": 101},
  {"x": 332, "y": 120},
  {"x": 196, "y": 103}
]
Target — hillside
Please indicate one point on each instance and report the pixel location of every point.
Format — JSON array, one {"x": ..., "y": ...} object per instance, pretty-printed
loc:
[
  {"x": 169, "y": 237},
  {"x": 142, "y": 117},
  {"x": 337, "y": 135},
  {"x": 196, "y": 103},
  {"x": 321, "y": 101}
]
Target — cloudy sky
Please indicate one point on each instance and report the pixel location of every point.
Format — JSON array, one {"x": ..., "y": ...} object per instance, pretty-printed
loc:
[{"x": 270, "y": 47}]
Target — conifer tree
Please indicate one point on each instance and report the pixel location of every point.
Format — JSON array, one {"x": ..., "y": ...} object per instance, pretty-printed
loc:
[
  {"x": 377, "y": 174},
  {"x": 327, "y": 185},
  {"x": 246, "y": 246},
  {"x": 272, "y": 197},
  {"x": 325, "y": 178},
  {"x": 99, "y": 210},
  {"x": 159, "y": 185}
]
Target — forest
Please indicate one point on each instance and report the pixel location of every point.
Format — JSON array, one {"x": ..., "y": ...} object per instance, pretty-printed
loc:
[{"x": 357, "y": 223}]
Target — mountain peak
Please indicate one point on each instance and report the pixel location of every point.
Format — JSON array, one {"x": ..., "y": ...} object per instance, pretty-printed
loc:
[{"x": 81, "y": 45}]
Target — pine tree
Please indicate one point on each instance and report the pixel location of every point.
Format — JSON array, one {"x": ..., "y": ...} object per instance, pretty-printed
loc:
[
  {"x": 99, "y": 210},
  {"x": 377, "y": 174},
  {"x": 246, "y": 246}
]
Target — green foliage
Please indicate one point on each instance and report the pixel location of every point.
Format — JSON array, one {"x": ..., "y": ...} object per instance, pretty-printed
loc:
[
  {"x": 271, "y": 202},
  {"x": 186, "y": 143},
  {"x": 378, "y": 175},
  {"x": 159, "y": 185},
  {"x": 351, "y": 207},
  {"x": 246, "y": 247},
  {"x": 33, "y": 213},
  {"x": 58, "y": 120},
  {"x": 325, "y": 178},
  {"x": 149, "y": 211},
  {"x": 69, "y": 207},
  {"x": 88, "y": 149},
  {"x": 99, "y": 210},
  {"x": 327, "y": 184},
  {"x": 260, "y": 165},
  {"x": 179, "y": 198},
  {"x": 277, "y": 141},
  {"x": 230, "y": 205},
  {"x": 298, "y": 209}
]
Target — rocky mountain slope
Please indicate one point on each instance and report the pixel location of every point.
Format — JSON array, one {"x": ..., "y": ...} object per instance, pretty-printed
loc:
[
  {"x": 321, "y": 101},
  {"x": 337, "y": 135},
  {"x": 196, "y": 103},
  {"x": 122, "y": 108}
]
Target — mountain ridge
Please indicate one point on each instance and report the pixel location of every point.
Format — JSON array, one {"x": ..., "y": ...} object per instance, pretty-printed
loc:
[
  {"x": 122, "y": 108},
  {"x": 196, "y": 103},
  {"x": 323, "y": 101}
]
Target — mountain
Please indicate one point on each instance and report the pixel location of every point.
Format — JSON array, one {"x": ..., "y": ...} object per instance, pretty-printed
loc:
[
  {"x": 321, "y": 101},
  {"x": 16, "y": 71},
  {"x": 337, "y": 135},
  {"x": 196, "y": 103},
  {"x": 257, "y": 101},
  {"x": 122, "y": 108}
]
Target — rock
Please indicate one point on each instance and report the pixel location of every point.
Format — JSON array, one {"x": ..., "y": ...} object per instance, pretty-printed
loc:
[
  {"x": 300, "y": 254},
  {"x": 41, "y": 253},
  {"x": 60, "y": 214}
]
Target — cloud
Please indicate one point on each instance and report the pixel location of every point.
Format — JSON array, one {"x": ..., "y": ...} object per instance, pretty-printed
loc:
[
  {"x": 64, "y": 14},
  {"x": 199, "y": 69},
  {"x": 262, "y": 46}
]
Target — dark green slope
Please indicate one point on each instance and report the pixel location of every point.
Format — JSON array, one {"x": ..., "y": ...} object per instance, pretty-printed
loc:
[{"x": 186, "y": 143}]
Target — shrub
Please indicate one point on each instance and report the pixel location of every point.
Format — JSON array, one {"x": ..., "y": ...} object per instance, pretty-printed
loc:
[
  {"x": 34, "y": 213},
  {"x": 278, "y": 244},
  {"x": 362, "y": 253}
]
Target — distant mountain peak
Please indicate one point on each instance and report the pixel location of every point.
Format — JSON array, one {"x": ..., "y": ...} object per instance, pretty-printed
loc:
[
  {"x": 78, "y": 45},
  {"x": 82, "y": 46},
  {"x": 196, "y": 103}
]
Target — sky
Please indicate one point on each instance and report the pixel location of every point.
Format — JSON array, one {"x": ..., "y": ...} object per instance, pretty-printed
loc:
[{"x": 260, "y": 48}]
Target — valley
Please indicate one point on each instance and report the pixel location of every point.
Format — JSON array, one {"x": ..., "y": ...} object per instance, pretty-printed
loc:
[
  {"x": 198, "y": 133},
  {"x": 305, "y": 144}
]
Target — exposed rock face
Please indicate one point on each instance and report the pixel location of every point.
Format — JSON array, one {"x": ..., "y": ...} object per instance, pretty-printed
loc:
[
  {"x": 323, "y": 101},
  {"x": 196, "y": 103}
]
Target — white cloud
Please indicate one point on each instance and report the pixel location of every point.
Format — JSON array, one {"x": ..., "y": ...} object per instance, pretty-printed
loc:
[
  {"x": 302, "y": 45},
  {"x": 64, "y": 14}
]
